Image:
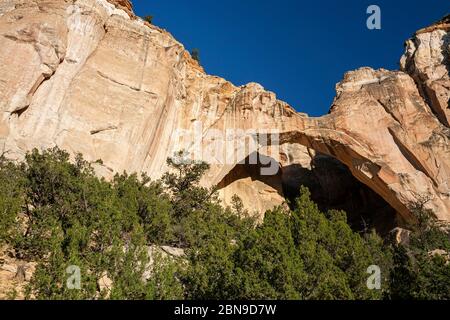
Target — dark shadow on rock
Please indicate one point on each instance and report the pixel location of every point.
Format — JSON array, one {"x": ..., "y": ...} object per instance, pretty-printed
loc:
[{"x": 333, "y": 186}]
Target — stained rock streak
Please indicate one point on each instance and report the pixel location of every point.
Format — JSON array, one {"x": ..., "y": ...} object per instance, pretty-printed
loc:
[{"x": 91, "y": 77}]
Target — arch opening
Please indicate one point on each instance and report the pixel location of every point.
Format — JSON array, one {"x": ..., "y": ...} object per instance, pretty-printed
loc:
[
  {"x": 330, "y": 182},
  {"x": 333, "y": 187}
]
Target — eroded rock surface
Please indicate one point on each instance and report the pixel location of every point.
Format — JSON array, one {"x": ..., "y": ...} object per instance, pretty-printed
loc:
[
  {"x": 90, "y": 77},
  {"x": 427, "y": 61}
]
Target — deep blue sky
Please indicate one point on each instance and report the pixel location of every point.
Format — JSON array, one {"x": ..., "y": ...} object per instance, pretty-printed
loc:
[{"x": 297, "y": 49}]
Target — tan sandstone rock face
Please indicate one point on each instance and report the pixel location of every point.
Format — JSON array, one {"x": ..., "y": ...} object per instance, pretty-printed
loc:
[
  {"x": 427, "y": 61},
  {"x": 381, "y": 128},
  {"x": 90, "y": 77}
]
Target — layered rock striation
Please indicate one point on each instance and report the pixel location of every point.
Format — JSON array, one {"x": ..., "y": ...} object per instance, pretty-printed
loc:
[{"x": 91, "y": 77}]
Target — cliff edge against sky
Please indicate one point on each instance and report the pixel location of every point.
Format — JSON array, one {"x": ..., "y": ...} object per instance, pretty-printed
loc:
[{"x": 89, "y": 76}]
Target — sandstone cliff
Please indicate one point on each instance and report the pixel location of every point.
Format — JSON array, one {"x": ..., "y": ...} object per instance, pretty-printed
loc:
[{"x": 91, "y": 77}]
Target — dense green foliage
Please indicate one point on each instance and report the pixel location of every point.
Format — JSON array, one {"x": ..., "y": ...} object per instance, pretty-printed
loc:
[
  {"x": 70, "y": 217},
  {"x": 59, "y": 214},
  {"x": 303, "y": 254}
]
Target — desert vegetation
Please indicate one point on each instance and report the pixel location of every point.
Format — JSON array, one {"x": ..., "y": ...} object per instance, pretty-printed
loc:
[{"x": 58, "y": 213}]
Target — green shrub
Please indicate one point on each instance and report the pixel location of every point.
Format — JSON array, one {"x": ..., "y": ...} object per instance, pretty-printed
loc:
[
  {"x": 58, "y": 213},
  {"x": 421, "y": 267},
  {"x": 292, "y": 255},
  {"x": 74, "y": 218},
  {"x": 12, "y": 199}
]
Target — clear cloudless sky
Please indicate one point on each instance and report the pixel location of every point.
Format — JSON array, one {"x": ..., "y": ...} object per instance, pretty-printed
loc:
[{"x": 297, "y": 49}]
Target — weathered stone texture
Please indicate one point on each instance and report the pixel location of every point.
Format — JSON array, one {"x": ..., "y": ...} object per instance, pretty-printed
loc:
[{"x": 90, "y": 77}]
